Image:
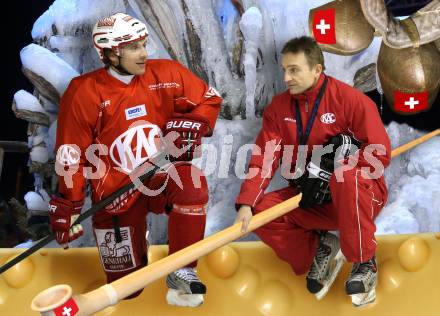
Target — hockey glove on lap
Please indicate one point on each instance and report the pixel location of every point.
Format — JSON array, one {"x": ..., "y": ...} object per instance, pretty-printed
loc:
[
  {"x": 189, "y": 129},
  {"x": 314, "y": 184},
  {"x": 343, "y": 146},
  {"x": 62, "y": 214}
]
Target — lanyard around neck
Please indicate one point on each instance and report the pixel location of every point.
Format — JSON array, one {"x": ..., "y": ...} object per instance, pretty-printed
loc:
[{"x": 303, "y": 138}]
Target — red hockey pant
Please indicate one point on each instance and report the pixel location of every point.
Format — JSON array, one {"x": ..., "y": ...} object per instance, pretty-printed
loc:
[
  {"x": 355, "y": 204},
  {"x": 184, "y": 227}
]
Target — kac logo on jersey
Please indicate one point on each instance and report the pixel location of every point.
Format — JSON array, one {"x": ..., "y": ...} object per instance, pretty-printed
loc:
[
  {"x": 135, "y": 111},
  {"x": 328, "y": 118},
  {"x": 134, "y": 146}
]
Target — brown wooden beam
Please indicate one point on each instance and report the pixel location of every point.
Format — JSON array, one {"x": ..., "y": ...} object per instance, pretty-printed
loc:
[
  {"x": 14, "y": 146},
  {"x": 2, "y": 155}
]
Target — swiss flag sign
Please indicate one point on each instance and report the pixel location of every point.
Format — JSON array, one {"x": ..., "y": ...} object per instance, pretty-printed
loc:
[
  {"x": 67, "y": 309},
  {"x": 324, "y": 26},
  {"x": 410, "y": 102}
]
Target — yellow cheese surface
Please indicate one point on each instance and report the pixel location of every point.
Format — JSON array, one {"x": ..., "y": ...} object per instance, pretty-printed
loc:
[{"x": 242, "y": 279}]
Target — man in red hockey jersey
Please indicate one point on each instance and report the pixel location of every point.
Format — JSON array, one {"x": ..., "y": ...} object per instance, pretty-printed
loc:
[
  {"x": 121, "y": 109},
  {"x": 320, "y": 110}
]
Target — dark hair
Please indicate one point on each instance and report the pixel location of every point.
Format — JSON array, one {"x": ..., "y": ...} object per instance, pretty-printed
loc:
[{"x": 308, "y": 46}]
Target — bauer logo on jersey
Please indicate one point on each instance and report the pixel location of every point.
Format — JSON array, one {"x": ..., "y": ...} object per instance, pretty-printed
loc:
[
  {"x": 135, "y": 146},
  {"x": 136, "y": 111},
  {"x": 116, "y": 256},
  {"x": 328, "y": 118}
]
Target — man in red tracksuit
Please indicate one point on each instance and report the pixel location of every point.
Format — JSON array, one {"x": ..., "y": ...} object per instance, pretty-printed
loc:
[
  {"x": 108, "y": 124},
  {"x": 343, "y": 190}
]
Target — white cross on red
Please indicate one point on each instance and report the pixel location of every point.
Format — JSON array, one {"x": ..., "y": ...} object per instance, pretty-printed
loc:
[
  {"x": 322, "y": 26},
  {"x": 67, "y": 310},
  {"x": 411, "y": 103}
]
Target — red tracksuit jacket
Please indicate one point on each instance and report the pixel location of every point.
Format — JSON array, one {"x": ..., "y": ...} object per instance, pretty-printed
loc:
[{"x": 343, "y": 109}]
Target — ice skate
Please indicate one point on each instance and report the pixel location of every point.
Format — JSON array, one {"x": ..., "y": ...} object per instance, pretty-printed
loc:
[
  {"x": 185, "y": 288},
  {"x": 361, "y": 284},
  {"x": 326, "y": 265}
]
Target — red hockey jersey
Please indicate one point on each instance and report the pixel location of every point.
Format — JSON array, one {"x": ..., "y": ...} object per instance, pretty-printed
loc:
[
  {"x": 343, "y": 109},
  {"x": 123, "y": 119}
]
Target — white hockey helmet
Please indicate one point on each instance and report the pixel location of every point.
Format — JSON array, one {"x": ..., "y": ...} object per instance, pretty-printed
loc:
[{"x": 116, "y": 30}]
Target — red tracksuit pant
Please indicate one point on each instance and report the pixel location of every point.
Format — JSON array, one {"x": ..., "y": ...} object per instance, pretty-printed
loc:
[
  {"x": 355, "y": 204},
  {"x": 186, "y": 225}
]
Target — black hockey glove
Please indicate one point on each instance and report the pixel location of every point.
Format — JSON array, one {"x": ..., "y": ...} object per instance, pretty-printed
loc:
[
  {"x": 314, "y": 184},
  {"x": 343, "y": 146}
]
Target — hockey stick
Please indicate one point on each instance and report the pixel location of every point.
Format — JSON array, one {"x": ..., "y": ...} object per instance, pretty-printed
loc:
[
  {"x": 60, "y": 296},
  {"x": 157, "y": 162}
]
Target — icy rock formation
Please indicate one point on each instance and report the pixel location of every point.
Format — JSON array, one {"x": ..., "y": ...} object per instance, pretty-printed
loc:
[
  {"x": 51, "y": 81},
  {"x": 27, "y": 107},
  {"x": 413, "y": 181},
  {"x": 35, "y": 201},
  {"x": 250, "y": 25}
]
